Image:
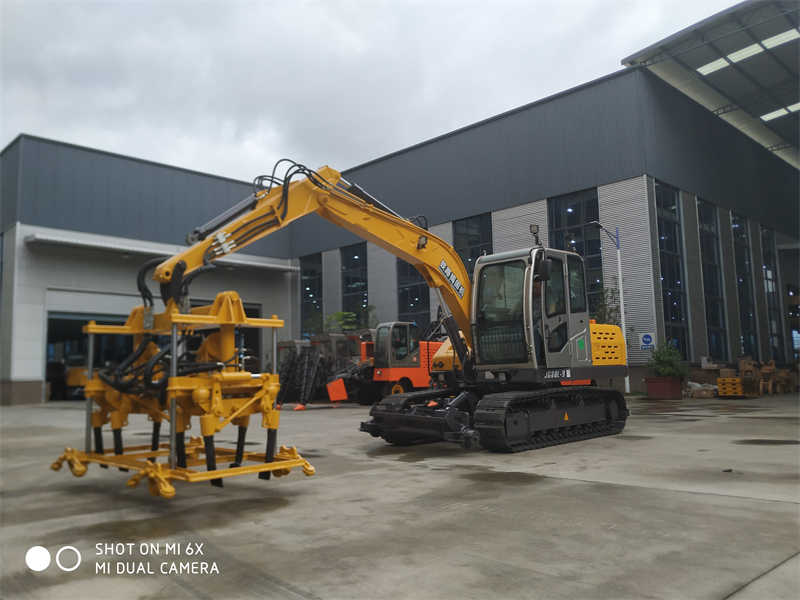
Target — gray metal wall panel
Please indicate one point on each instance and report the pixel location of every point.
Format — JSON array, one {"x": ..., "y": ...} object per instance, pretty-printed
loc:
[
  {"x": 625, "y": 205},
  {"x": 445, "y": 232},
  {"x": 567, "y": 143},
  {"x": 332, "y": 282},
  {"x": 9, "y": 182},
  {"x": 382, "y": 282},
  {"x": 511, "y": 226},
  {"x": 690, "y": 148},
  {"x": 762, "y": 330},
  {"x": 75, "y": 188},
  {"x": 729, "y": 283},
  {"x": 698, "y": 334}
]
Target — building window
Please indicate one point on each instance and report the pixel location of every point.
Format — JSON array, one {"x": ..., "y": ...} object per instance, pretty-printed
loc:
[
  {"x": 569, "y": 219},
  {"x": 354, "y": 282},
  {"x": 311, "y": 295},
  {"x": 670, "y": 245},
  {"x": 472, "y": 237},
  {"x": 413, "y": 295},
  {"x": 770, "y": 269},
  {"x": 792, "y": 299},
  {"x": 748, "y": 345},
  {"x": 710, "y": 258}
]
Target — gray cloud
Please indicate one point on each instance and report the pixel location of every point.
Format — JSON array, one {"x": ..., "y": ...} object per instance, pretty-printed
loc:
[{"x": 230, "y": 87}]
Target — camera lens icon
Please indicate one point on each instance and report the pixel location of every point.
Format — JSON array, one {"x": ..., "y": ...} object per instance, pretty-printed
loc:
[{"x": 38, "y": 558}]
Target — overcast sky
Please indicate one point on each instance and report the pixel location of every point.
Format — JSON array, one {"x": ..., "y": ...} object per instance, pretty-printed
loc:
[{"x": 230, "y": 87}]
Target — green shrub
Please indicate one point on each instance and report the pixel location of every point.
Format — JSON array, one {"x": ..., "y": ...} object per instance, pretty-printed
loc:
[{"x": 667, "y": 362}]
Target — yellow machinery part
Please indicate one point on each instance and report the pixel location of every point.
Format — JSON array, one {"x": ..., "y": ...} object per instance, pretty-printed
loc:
[
  {"x": 229, "y": 395},
  {"x": 608, "y": 345}
]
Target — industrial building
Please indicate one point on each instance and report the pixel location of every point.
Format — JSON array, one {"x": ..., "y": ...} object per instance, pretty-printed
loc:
[{"x": 690, "y": 153}]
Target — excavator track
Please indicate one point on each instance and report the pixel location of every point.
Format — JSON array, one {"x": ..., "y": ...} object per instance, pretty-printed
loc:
[{"x": 518, "y": 421}]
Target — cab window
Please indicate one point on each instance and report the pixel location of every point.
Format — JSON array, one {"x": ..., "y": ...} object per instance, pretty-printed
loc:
[
  {"x": 382, "y": 347},
  {"x": 413, "y": 338},
  {"x": 501, "y": 291},
  {"x": 500, "y": 329},
  {"x": 400, "y": 341},
  {"x": 577, "y": 285},
  {"x": 554, "y": 296}
]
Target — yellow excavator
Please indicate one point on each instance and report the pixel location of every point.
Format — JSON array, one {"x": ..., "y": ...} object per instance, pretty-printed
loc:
[{"x": 523, "y": 357}]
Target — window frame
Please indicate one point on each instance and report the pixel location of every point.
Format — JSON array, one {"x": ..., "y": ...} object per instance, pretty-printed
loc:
[
  {"x": 311, "y": 294},
  {"x": 708, "y": 233},
  {"x": 358, "y": 273},
  {"x": 410, "y": 282},
  {"x": 470, "y": 249},
  {"x": 669, "y": 224},
  {"x": 569, "y": 218},
  {"x": 743, "y": 265},
  {"x": 769, "y": 266}
]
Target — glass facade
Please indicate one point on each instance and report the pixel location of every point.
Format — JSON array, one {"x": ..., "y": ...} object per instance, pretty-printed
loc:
[
  {"x": 311, "y": 318},
  {"x": 711, "y": 264},
  {"x": 670, "y": 245},
  {"x": 769, "y": 266},
  {"x": 355, "y": 298},
  {"x": 472, "y": 237},
  {"x": 568, "y": 221},
  {"x": 748, "y": 343},
  {"x": 413, "y": 296}
]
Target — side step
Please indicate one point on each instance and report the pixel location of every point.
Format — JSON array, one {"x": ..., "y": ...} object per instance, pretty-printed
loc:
[{"x": 518, "y": 421}]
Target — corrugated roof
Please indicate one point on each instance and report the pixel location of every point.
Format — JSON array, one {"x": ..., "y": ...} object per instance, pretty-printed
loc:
[{"x": 743, "y": 65}]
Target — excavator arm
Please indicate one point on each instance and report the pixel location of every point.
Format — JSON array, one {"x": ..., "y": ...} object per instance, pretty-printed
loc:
[{"x": 277, "y": 202}]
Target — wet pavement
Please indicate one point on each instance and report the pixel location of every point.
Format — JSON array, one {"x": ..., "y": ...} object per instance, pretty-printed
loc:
[{"x": 695, "y": 499}]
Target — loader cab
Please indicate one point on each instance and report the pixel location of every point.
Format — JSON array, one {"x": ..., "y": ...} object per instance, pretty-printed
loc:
[
  {"x": 530, "y": 313},
  {"x": 397, "y": 345}
]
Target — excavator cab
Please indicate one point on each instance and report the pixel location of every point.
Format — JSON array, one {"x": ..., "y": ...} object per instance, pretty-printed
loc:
[{"x": 530, "y": 313}]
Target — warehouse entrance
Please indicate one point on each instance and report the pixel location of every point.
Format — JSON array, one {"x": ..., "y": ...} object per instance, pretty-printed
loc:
[{"x": 66, "y": 351}]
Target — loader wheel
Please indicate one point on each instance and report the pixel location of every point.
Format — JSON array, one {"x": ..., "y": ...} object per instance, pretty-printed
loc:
[{"x": 399, "y": 387}]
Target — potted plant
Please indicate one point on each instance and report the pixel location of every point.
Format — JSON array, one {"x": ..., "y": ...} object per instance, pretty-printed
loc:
[{"x": 669, "y": 370}]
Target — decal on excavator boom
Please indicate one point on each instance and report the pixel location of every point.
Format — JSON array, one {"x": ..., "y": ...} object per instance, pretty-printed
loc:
[{"x": 451, "y": 277}]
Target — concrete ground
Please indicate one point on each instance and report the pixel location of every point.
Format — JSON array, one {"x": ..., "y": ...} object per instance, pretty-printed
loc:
[{"x": 696, "y": 499}]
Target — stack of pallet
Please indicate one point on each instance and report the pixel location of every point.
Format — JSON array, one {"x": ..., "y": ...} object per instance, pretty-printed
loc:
[
  {"x": 729, "y": 384},
  {"x": 730, "y": 387}
]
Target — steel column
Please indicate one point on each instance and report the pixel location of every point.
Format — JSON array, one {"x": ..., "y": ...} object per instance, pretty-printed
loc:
[
  {"x": 89, "y": 401},
  {"x": 173, "y": 404}
]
